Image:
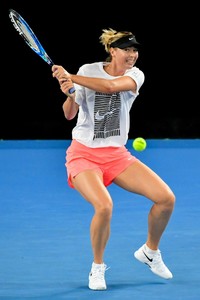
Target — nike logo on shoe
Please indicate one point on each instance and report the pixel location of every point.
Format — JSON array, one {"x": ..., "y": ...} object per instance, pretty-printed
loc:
[{"x": 150, "y": 259}]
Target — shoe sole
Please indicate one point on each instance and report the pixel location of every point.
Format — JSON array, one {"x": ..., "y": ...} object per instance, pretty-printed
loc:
[{"x": 97, "y": 289}]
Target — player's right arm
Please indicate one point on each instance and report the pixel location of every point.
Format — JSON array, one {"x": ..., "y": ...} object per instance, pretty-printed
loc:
[{"x": 70, "y": 107}]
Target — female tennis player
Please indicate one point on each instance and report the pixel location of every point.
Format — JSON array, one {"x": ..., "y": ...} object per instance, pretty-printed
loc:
[{"x": 97, "y": 155}]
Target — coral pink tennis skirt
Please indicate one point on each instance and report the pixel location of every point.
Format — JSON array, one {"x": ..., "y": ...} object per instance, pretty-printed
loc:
[{"x": 109, "y": 161}]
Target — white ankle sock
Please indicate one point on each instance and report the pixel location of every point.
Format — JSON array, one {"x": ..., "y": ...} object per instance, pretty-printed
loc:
[
  {"x": 94, "y": 265},
  {"x": 150, "y": 251}
]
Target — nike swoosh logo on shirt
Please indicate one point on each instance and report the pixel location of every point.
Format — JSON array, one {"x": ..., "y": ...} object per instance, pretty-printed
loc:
[{"x": 99, "y": 117}]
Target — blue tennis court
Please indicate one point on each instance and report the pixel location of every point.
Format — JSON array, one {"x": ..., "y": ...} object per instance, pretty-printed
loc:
[{"x": 45, "y": 249}]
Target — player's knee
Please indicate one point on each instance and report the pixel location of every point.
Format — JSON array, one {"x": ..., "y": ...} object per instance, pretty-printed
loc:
[
  {"x": 105, "y": 210},
  {"x": 169, "y": 200}
]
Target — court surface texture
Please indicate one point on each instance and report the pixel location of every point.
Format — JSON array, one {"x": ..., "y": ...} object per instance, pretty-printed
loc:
[{"x": 45, "y": 251}]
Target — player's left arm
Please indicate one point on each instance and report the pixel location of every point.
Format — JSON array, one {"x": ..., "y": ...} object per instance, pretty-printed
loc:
[{"x": 110, "y": 86}]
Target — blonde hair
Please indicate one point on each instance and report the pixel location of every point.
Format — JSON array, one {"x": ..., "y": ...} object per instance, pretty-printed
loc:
[{"x": 110, "y": 35}]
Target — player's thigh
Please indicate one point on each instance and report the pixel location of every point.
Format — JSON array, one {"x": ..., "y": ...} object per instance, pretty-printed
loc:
[
  {"x": 139, "y": 178},
  {"x": 90, "y": 185}
]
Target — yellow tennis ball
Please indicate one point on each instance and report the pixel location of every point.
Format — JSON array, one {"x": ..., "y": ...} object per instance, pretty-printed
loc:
[{"x": 139, "y": 144}]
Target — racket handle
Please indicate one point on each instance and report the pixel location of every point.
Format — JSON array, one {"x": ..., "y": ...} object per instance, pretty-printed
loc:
[{"x": 72, "y": 90}]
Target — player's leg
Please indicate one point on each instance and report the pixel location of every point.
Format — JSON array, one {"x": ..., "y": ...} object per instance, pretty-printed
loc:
[
  {"x": 140, "y": 179},
  {"x": 90, "y": 185}
]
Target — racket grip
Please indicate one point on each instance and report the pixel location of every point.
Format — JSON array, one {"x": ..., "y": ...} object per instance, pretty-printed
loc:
[{"x": 72, "y": 90}]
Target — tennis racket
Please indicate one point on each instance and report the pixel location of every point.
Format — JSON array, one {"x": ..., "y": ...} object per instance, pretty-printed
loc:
[{"x": 30, "y": 38}]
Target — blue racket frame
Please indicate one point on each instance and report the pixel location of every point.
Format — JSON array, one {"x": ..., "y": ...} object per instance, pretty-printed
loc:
[{"x": 28, "y": 35}]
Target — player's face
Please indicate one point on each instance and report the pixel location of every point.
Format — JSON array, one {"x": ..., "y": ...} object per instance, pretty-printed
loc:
[{"x": 127, "y": 56}]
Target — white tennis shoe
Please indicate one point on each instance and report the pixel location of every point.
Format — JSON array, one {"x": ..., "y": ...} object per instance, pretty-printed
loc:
[
  {"x": 154, "y": 262},
  {"x": 97, "y": 277}
]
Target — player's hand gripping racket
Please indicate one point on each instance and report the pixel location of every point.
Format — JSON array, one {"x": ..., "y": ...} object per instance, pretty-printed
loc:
[{"x": 30, "y": 38}]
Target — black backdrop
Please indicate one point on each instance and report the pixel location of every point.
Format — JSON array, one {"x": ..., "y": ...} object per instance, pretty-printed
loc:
[{"x": 31, "y": 101}]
